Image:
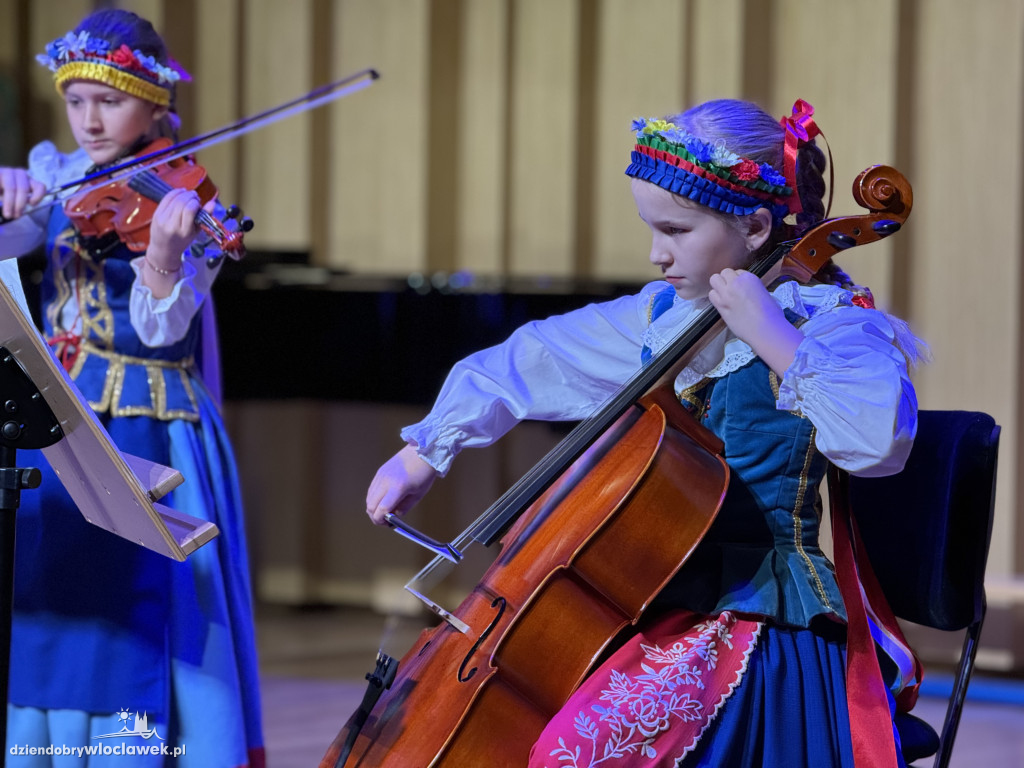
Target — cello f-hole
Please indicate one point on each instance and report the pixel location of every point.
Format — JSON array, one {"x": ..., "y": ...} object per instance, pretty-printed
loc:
[{"x": 499, "y": 603}]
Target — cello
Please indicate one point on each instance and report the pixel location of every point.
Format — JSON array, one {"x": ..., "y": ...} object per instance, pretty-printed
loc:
[{"x": 588, "y": 537}]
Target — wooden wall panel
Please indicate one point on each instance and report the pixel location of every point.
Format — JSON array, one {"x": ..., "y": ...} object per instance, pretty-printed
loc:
[
  {"x": 217, "y": 52},
  {"x": 8, "y": 35},
  {"x": 543, "y": 127},
  {"x": 630, "y": 83},
  {"x": 47, "y": 21},
  {"x": 841, "y": 58},
  {"x": 275, "y": 162},
  {"x": 13, "y": 95},
  {"x": 714, "y": 70},
  {"x": 966, "y": 288},
  {"x": 483, "y": 139},
  {"x": 378, "y": 162}
]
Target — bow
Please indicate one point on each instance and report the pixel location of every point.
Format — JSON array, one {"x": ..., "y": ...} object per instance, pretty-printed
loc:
[
  {"x": 800, "y": 128},
  {"x": 315, "y": 98}
]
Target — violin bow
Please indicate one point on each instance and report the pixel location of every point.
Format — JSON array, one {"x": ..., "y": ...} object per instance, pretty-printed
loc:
[{"x": 311, "y": 100}]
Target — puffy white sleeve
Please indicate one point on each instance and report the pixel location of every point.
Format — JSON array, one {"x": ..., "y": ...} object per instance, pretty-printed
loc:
[
  {"x": 851, "y": 380},
  {"x": 561, "y": 368},
  {"x": 26, "y": 233},
  {"x": 21, "y": 235},
  {"x": 161, "y": 322}
]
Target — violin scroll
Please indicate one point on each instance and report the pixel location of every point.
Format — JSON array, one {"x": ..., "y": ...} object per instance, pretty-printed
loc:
[{"x": 232, "y": 245}]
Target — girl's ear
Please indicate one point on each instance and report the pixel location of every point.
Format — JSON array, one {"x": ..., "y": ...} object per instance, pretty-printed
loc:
[
  {"x": 159, "y": 113},
  {"x": 759, "y": 228}
]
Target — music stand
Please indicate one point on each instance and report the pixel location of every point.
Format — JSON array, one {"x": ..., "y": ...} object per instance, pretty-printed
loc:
[{"x": 40, "y": 407}]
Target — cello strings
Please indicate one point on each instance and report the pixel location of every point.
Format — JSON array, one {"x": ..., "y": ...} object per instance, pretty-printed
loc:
[{"x": 488, "y": 525}]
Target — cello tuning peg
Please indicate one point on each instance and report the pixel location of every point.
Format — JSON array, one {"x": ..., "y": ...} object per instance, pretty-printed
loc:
[
  {"x": 246, "y": 224},
  {"x": 841, "y": 241},
  {"x": 886, "y": 227},
  {"x": 232, "y": 212}
]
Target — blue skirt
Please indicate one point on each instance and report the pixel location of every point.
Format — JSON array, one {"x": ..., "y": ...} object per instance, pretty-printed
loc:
[
  {"x": 690, "y": 690},
  {"x": 103, "y": 627},
  {"x": 789, "y": 709}
]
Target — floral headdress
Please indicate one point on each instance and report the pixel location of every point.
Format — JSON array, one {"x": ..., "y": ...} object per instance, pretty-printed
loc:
[
  {"x": 81, "y": 56},
  {"x": 709, "y": 174}
]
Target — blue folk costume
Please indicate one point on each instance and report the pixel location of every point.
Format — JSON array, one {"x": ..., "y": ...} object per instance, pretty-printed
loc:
[
  {"x": 741, "y": 659},
  {"x": 103, "y": 626}
]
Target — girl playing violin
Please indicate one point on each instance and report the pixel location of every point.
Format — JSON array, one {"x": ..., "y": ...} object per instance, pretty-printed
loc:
[
  {"x": 741, "y": 660},
  {"x": 104, "y": 629}
]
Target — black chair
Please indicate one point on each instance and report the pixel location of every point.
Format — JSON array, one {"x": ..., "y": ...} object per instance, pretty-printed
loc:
[{"x": 926, "y": 532}]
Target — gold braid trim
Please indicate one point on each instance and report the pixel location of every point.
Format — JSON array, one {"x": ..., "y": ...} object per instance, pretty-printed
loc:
[
  {"x": 798, "y": 522},
  {"x": 689, "y": 395},
  {"x": 114, "y": 77},
  {"x": 155, "y": 371}
]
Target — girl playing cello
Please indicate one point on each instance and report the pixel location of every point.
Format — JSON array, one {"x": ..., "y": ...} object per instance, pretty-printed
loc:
[
  {"x": 104, "y": 629},
  {"x": 741, "y": 660}
]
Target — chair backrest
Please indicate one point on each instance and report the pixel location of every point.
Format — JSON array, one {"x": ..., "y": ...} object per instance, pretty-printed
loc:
[{"x": 927, "y": 530}]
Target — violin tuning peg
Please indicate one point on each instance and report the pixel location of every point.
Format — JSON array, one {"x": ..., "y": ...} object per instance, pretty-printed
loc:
[
  {"x": 232, "y": 212},
  {"x": 246, "y": 224},
  {"x": 214, "y": 261}
]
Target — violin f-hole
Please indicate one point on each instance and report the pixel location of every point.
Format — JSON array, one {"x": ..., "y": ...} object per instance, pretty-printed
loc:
[{"x": 465, "y": 677}]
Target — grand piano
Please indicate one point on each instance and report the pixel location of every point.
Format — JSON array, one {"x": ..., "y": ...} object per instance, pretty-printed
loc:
[{"x": 290, "y": 330}]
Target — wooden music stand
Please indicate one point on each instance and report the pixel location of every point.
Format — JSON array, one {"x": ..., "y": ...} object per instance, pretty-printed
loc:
[
  {"x": 112, "y": 490},
  {"x": 40, "y": 407}
]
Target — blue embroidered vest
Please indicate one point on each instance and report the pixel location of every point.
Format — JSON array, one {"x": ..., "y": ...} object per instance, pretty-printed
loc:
[
  {"x": 115, "y": 371},
  {"x": 761, "y": 556}
]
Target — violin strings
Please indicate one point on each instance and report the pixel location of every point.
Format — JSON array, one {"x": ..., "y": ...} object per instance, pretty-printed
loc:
[{"x": 152, "y": 186}]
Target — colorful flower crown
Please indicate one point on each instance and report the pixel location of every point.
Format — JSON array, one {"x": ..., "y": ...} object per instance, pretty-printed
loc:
[
  {"x": 80, "y": 56},
  {"x": 708, "y": 174}
]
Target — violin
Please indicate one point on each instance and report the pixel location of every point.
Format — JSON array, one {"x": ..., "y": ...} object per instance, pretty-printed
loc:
[
  {"x": 123, "y": 198},
  {"x": 126, "y": 206},
  {"x": 589, "y": 536}
]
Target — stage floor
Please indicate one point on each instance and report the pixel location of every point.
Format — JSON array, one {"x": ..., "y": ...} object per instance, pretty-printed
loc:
[{"x": 313, "y": 664}]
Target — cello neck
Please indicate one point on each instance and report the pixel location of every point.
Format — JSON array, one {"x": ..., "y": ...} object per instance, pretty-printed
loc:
[{"x": 662, "y": 368}]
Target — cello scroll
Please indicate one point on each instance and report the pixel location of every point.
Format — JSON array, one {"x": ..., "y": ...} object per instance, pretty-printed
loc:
[{"x": 887, "y": 195}]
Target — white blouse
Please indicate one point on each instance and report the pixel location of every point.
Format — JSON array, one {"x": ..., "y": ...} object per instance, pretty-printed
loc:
[
  {"x": 849, "y": 376},
  {"x": 159, "y": 322}
]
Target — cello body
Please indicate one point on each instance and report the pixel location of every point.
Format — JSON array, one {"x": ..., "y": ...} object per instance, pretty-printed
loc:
[{"x": 578, "y": 566}]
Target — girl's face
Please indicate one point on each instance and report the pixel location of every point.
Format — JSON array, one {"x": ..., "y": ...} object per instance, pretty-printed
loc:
[
  {"x": 690, "y": 243},
  {"x": 107, "y": 122}
]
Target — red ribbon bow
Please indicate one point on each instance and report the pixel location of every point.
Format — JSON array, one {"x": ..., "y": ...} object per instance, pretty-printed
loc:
[{"x": 800, "y": 128}]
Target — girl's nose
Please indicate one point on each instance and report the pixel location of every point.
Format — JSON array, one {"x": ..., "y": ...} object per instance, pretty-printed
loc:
[
  {"x": 91, "y": 117},
  {"x": 659, "y": 256}
]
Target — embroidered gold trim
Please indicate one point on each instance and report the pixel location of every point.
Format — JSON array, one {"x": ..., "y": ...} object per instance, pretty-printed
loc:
[
  {"x": 97, "y": 317},
  {"x": 64, "y": 241},
  {"x": 101, "y": 72},
  {"x": 156, "y": 370},
  {"x": 798, "y": 523},
  {"x": 87, "y": 288},
  {"x": 688, "y": 395}
]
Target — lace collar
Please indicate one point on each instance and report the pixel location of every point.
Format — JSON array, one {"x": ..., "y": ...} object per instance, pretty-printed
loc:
[{"x": 726, "y": 353}]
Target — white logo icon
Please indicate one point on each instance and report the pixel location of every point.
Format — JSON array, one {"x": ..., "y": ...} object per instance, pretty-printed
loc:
[{"x": 140, "y": 727}]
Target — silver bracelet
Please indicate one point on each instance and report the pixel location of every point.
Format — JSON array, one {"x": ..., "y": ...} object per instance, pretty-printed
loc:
[{"x": 160, "y": 271}]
